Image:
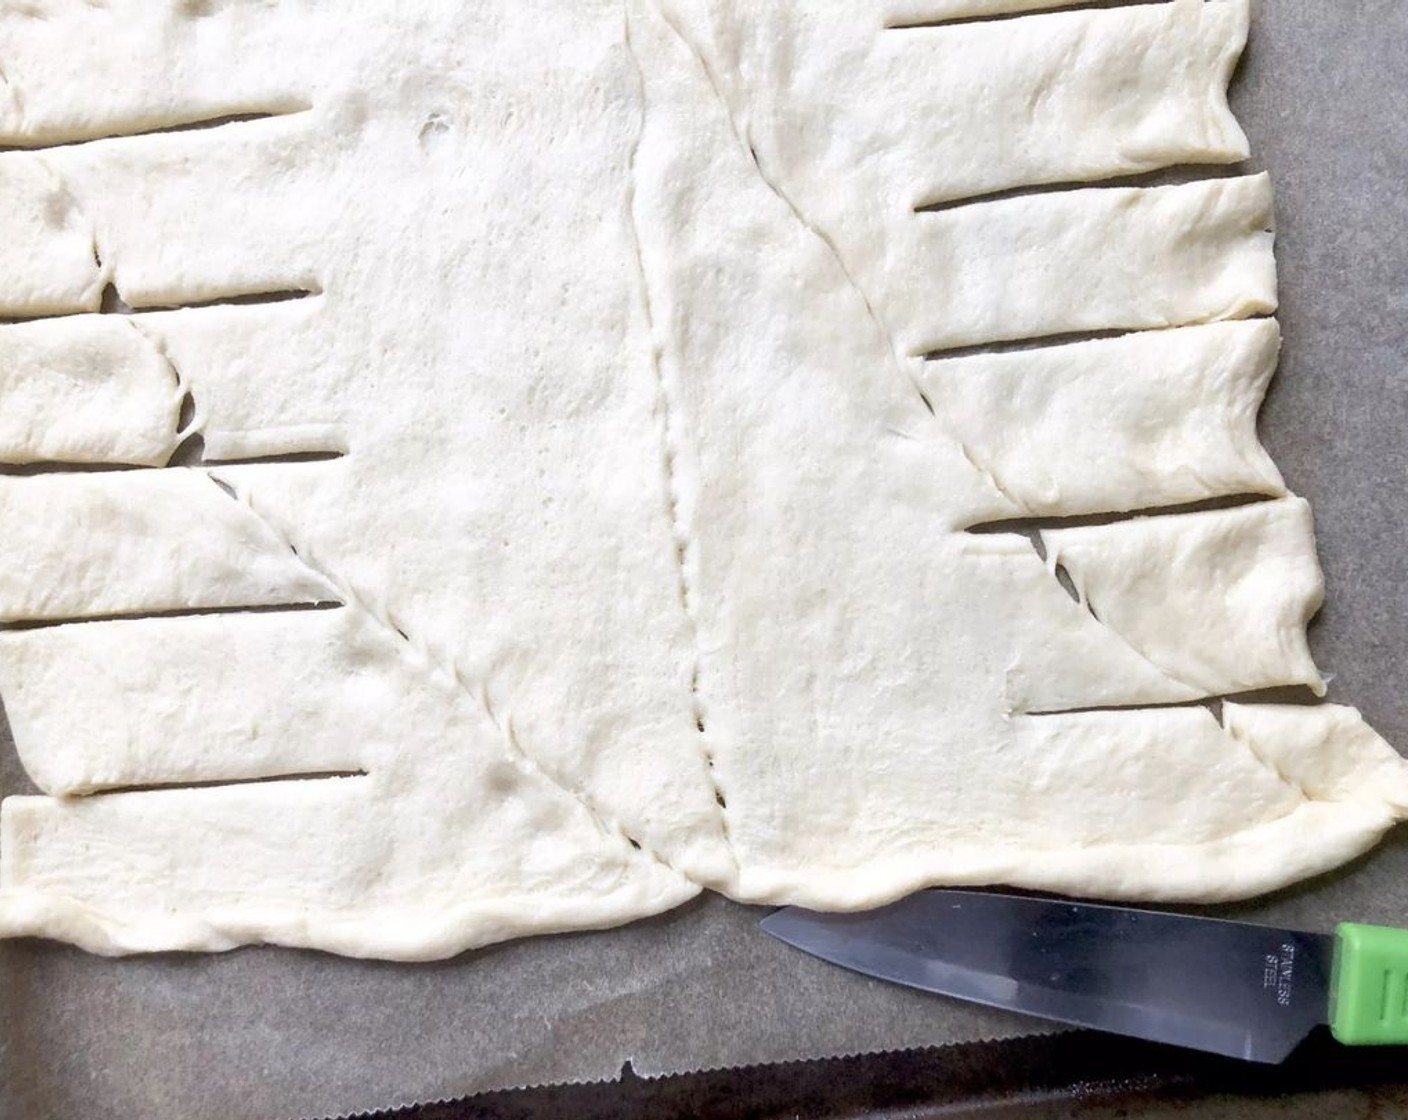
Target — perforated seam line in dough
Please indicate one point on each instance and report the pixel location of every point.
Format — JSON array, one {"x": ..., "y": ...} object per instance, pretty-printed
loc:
[
  {"x": 775, "y": 187},
  {"x": 445, "y": 666},
  {"x": 197, "y": 421},
  {"x": 997, "y": 484},
  {"x": 670, "y": 442},
  {"x": 99, "y": 261},
  {"x": 1237, "y": 736},
  {"x": 1053, "y": 566}
]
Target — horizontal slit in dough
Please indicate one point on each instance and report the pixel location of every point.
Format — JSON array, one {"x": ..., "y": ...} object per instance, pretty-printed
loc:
[
  {"x": 276, "y": 295},
  {"x": 1300, "y": 694},
  {"x": 323, "y": 456},
  {"x": 178, "y": 612},
  {"x": 954, "y": 13},
  {"x": 200, "y": 124},
  {"x": 1024, "y": 526},
  {"x": 116, "y": 304},
  {"x": 1176, "y": 175},
  {"x": 22, "y": 470},
  {"x": 192, "y": 453},
  {"x": 218, "y": 783},
  {"x": 1064, "y": 338}
]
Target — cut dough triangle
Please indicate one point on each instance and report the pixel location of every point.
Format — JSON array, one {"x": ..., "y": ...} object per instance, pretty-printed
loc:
[{"x": 562, "y": 475}]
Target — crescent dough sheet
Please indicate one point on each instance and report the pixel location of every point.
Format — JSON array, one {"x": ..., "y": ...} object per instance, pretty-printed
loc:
[{"x": 484, "y": 469}]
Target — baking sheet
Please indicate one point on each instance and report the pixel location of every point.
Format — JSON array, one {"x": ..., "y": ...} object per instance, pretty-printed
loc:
[{"x": 1323, "y": 93}]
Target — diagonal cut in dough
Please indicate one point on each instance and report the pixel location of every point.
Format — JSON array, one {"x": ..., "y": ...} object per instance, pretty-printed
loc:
[{"x": 475, "y": 471}]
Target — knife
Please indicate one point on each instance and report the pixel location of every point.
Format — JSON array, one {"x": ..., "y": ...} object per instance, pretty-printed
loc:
[{"x": 1247, "y": 991}]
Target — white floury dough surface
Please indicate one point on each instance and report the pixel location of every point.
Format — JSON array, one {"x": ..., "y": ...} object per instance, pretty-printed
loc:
[{"x": 634, "y": 347}]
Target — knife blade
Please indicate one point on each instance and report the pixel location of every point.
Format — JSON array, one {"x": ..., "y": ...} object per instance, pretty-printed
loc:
[{"x": 1234, "y": 988}]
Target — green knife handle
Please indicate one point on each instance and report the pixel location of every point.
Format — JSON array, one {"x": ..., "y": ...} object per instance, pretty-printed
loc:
[{"x": 1369, "y": 985}]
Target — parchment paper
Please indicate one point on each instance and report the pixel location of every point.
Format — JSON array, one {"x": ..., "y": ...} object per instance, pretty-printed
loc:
[{"x": 263, "y": 1032}]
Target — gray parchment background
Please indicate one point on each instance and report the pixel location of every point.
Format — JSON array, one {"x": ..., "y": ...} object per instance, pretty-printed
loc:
[{"x": 1323, "y": 92}]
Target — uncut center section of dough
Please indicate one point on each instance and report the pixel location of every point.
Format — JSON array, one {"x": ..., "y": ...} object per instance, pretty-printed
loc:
[{"x": 582, "y": 454}]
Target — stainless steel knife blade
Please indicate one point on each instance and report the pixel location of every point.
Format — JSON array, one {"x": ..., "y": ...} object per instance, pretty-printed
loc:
[{"x": 1233, "y": 988}]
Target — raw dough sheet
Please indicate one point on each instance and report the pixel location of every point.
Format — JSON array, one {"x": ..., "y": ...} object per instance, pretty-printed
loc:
[{"x": 267, "y": 1032}]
